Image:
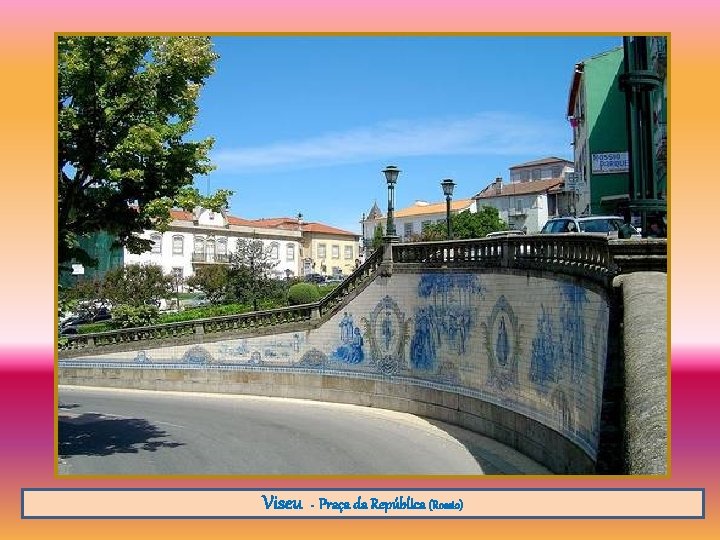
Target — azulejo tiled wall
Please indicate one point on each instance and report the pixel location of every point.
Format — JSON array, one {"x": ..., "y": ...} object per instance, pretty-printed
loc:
[{"x": 531, "y": 344}]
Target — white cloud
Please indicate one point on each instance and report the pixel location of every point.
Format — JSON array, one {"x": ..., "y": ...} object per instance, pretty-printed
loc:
[{"x": 482, "y": 134}]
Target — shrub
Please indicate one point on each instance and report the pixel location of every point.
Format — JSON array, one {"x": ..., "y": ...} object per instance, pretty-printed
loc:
[
  {"x": 303, "y": 293},
  {"x": 126, "y": 316},
  {"x": 135, "y": 284},
  {"x": 92, "y": 328},
  {"x": 204, "y": 312}
]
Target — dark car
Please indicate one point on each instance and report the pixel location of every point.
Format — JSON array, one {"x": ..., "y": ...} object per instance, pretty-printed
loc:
[
  {"x": 315, "y": 278},
  {"x": 76, "y": 319}
]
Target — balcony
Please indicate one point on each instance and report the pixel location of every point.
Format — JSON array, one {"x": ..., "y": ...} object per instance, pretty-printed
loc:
[{"x": 210, "y": 258}]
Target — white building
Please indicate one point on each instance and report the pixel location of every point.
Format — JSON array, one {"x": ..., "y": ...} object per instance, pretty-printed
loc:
[
  {"x": 204, "y": 237},
  {"x": 522, "y": 205}
]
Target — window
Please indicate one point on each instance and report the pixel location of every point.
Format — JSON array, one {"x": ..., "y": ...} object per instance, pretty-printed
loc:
[
  {"x": 336, "y": 252},
  {"x": 210, "y": 250},
  {"x": 177, "y": 244},
  {"x": 156, "y": 240},
  {"x": 290, "y": 252},
  {"x": 321, "y": 251},
  {"x": 199, "y": 244},
  {"x": 536, "y": 174},
  {"x": 546, "y": 173},
  {"x": 556, "y": 172},
  {"x": 408, "y": 230},
  {"x": 348, "y": 252},
  {"x": 177, "y": 275},
  {"x": 221, "y": 246},
  {"x": 274, "y": 250}
]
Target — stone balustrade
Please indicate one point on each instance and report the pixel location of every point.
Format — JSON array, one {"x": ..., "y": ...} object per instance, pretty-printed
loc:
[{"x": 589, "y": 256}]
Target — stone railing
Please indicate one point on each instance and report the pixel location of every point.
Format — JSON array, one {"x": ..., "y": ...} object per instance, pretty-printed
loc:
[
  {"x": 188, "y": 331},
  {"x": 185, "y": 331},
  {"x": 588, "y": 256},
  {"x": 585, "y": 255},
  {"x": 359, "y": 277}
]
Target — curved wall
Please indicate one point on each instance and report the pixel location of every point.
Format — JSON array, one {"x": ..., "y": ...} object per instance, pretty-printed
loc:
[{"x": 530, "y": 349}]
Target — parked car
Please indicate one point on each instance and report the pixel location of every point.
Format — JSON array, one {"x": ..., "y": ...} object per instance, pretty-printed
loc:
[
  {"x": 69, "y": 331},
  {"x": 611, "y": 226},
  {"x": 102, "y": 314},
  {"x": 315, "y": 278},
  {"x": 199, "y": 300}
]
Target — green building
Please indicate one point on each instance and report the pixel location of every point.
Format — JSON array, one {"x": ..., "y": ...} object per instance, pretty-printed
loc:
[
  {"x": 618, "y": 110},
  {"x": 100, "y": 247},
  {"x": 597, "y": 113}
]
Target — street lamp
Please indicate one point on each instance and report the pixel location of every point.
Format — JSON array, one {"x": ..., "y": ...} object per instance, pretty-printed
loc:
[
  {"x": 391, "y": 174},
  {"x": 447, "y": 186}
]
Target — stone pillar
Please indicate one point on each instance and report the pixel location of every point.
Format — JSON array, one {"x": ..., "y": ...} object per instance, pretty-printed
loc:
[{"x": 646, "y": 371}]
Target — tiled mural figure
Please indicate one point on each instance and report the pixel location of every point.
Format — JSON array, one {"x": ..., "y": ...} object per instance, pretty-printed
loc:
[
  {"x": 387, "y": 330},
  {"x": 502, "y": 333},
  {"x": 535, "y": 345}
]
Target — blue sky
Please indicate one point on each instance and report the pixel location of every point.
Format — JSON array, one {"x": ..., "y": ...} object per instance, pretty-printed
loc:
[{"x": 306, "y": 124}]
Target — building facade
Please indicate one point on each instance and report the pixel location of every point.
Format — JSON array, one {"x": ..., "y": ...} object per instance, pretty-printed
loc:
[
  {"x": 617, "y": 108},
  {"x": 596, "y": 110},
  {"x": 525, "y": 205},
  {"x": 549, "y": 168},
  {"x": 409, "y": 221},
  {"x": 203, "y": 238},
  {"x": 328, "y": 251}
]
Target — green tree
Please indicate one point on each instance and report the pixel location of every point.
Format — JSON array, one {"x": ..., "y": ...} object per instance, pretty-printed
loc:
[
  {"x": 125, "y": 107},
  {"x": 467, "y": 225},
  {"x": 250, "y": 270},
  {"x": 213, "y": 280},
  {"x": 135, "y": 284},
  {"x": 377, "y": 240}
]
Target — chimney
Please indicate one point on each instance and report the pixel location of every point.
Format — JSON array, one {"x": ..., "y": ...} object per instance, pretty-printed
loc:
[{"x": 498, "y": 185}]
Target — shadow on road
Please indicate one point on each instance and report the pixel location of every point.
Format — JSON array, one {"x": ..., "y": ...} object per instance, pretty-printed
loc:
[{"x": 93, "y": 434}]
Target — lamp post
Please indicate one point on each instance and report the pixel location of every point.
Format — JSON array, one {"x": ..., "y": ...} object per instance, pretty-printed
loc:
[
  {"x": 391, "y": 174},
  {"x": 448, "y": 186}
]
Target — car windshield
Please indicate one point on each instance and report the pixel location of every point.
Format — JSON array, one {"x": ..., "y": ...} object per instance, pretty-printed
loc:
[
  {"x": 556, "y": 226},
  {"x": 600, "y": 225}
]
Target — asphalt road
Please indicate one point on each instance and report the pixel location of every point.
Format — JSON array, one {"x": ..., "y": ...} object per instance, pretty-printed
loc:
[{"x": 129, "y": 432}]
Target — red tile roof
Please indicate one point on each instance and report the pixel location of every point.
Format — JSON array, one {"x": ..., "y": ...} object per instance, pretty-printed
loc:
[
  {"x": 326, "y": 229},
  {"x": 519, "y": 188},
  {"x": 181, "y": 215},
  {"x": 282, "y": 223}
]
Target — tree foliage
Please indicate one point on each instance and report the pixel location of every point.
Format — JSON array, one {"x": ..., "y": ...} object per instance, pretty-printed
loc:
[
  {"x": 213, "y": 280},
  {"x": 249, "y": 275},
  {"x": 377, "y": 240},
  {"x": 466, "y": 225},
  {"x": 125, "y": 107},
  {"x": 136, "y": 284}
]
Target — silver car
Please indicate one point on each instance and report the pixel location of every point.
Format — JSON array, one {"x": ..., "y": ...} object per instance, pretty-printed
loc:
[{"x": 611, "y": 226}]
